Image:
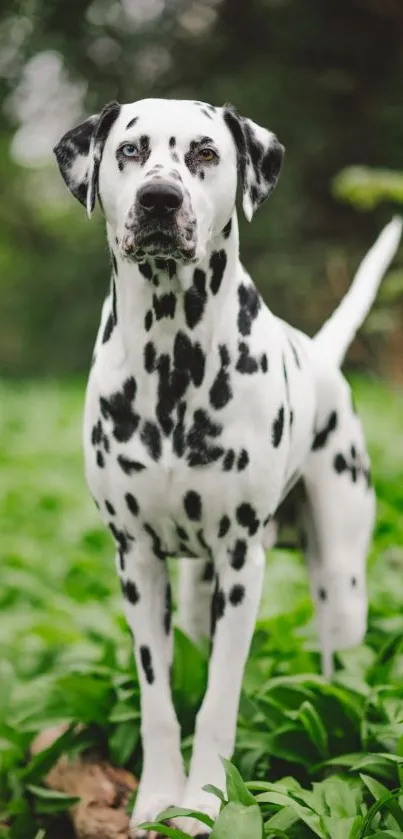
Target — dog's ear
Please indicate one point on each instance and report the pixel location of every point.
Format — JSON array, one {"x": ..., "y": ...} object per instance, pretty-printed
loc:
[
  {"x": 79, "y": 154},
  {"x": 260, "y": 156}
]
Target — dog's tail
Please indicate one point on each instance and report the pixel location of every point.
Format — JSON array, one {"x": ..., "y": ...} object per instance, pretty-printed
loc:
[{"x": 334, "y": 338}]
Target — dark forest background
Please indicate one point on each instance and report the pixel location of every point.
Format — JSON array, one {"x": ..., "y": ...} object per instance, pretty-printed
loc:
[{"x": 326, "y": 77}]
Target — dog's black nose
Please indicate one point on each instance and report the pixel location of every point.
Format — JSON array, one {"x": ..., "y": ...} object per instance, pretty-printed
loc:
[{"x": 160, "y": 198}]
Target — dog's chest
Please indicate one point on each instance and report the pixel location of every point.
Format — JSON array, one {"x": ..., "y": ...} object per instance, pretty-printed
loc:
[{"x": 180, "y": 421}]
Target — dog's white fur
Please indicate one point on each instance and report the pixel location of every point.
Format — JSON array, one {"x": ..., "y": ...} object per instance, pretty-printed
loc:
[{"x": 288, "y": 416}]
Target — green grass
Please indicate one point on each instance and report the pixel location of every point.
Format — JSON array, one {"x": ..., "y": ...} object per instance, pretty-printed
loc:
[{"x": 317, "y": 756}]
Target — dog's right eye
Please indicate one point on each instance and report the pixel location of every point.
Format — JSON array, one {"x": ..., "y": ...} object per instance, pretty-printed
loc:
[{"x": 129, "y": 150}]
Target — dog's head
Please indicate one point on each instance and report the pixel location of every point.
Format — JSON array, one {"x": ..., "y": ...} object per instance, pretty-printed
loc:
[{"x": 166, "y": 172}]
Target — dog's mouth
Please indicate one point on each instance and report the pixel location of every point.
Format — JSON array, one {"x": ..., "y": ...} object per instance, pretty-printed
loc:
[{"x": 157, "y": 241}]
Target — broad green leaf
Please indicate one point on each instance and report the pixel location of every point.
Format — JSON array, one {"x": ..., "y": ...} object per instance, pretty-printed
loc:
[
  {"x": 343, "y": 797},
  {"x": 314, "y": 727},
  {"x": 182, "y": 812},
  {"x": 215, "y": 791},
  {"x": 237, "y": 821},
  {"x": 236, "y": 787},
  {"x": 123, "y": 741},
  {"x": 282, "y": 820},
  {"x": 339, "y": 828},
  {"x": 305, "y": 814}
]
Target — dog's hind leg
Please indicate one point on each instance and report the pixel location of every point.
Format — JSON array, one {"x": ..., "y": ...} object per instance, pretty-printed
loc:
[
  {"x": 194, "y": 601},
  {"x": 338, "y": 515}
]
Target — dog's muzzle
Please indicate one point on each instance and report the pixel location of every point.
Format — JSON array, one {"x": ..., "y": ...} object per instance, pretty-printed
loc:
[{"x": 160, "y": 224}]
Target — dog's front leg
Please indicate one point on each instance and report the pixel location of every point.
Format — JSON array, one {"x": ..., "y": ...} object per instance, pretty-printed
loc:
[
  {"x": 234, "y": 610},
  {"x": 145, "y": 585}
]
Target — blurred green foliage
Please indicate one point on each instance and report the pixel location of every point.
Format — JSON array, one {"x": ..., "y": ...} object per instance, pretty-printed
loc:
[
  {"x": 366, "y": 188},
  {"x": 65, "y": 652},
  {"x": 325, "y": 76}
]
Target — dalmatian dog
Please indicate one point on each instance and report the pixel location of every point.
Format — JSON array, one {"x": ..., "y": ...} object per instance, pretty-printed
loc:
[{"x": 203, "y": 412}]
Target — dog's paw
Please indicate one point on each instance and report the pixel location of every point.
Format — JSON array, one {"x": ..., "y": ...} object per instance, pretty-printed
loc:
[
  {"x": 146, "y": 809},
  {"x": 203, "y": 802}
]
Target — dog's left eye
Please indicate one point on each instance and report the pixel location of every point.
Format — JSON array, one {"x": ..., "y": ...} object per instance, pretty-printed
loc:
[
  {"x": 207, "y": 155},
  {"x": 129, "y": 150}
]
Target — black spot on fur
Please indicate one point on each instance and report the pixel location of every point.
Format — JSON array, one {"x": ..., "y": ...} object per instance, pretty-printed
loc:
[
  {"x": 189, "y": 357},
  {"x": 227, "y": 229},
  {"x": 146, "y": 270},
  {"x": 193, "y": 505},
  {"x": 246, "y": 363},
  {"x": 340, "y": 463},
  {"x": 322, "y": 594},
  {"x": 96, "y": 433},
  {"x": 236, "y": 595},
  {"x": 201, "y": 451},
  {"x": 164, "y": 306},
  {"x": 150, "y": 357},
  {"x": 118, "y": 408},
  {"x": 243, "y": 460},
  {"x": 131, "y": 123},
  {"x": 121, "y": 537},
  {"x": 202, "y": 542},
  {"x": 183, "y": 536},
  {"x": 168, "y": 609},
  {"x": 208, "y": 572},
  {"x": 218, "y": 263},
  {"x": 156, "y": 542},
  {"x": 146, "y": 663},
  {"x": 148, "y": 321},
  {"x": 220, "y": 391},
  {"x": 264, "y": 363},
  {"x": 278, "y": 428},
  {"x": 100, "y": 460},
  {"x": 353, "y": 582},
  {"x": 228, "y": 461},
  {"x": 129, "y": 466},
  {"x": 172, "y": 142},
  {"x": 110, "y": 508},
  {"x": 217, "y": 606},
  {"x": 150, "y": 436},
  {"x": 130, "y": 592},
  {"x": 238, "y": 555},
  {"x": 246, "y": 517},
  {"x": 249, "y": 305},
  {"x": 195, "y": 299},
  {"x": 224, "y": 526},
  {"x": 178, "y": 435},
  {"x": 321, "y": 437},
  {"x": 144, "y": 148},
  {"x": 188, "y": 365},
  {"x": 132, "y": 503},
  {"x": 109, "y": 327}
]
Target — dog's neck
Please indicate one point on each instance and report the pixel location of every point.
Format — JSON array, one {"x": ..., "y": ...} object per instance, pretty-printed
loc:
[{"x": 162, "y": 296}]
